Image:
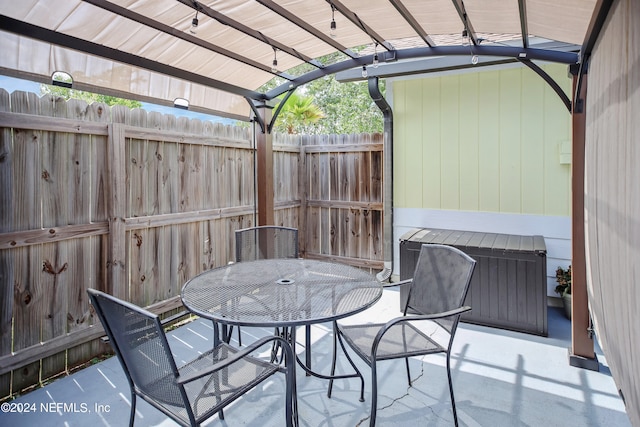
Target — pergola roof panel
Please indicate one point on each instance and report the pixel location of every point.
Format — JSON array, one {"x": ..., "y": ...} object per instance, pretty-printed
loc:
[
  {"x": 382, "y": 17},
  {"x": 128, "y": 47},
  {"x": 566, "y": 21},
  {"x": 435, "y": 16},
  {"x": 497, "y": 16}
]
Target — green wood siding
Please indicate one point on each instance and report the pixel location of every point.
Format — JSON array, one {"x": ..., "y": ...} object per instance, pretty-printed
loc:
[{"x": 482, "y": 141}]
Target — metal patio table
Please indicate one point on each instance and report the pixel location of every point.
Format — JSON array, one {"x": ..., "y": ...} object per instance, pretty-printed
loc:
[{"x": 281, "y": 293}]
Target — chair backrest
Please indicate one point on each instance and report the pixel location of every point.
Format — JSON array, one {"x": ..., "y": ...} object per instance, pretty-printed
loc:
[
  {"x": 140, "y": 343},
  {"x": 266, "y": 242},
  {"x": 441, "y": 279}
]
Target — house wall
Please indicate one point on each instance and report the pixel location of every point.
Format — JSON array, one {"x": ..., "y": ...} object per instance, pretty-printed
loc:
[{"x": 484, "y": 150}]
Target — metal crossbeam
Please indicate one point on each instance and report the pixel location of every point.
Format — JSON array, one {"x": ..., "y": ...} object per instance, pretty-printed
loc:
[
  {"x": 353, "y": 17},
  {"x": 406, "y": 14},
  {"x": 524, "y": 26},
  {"x": 462, "y": 12}
]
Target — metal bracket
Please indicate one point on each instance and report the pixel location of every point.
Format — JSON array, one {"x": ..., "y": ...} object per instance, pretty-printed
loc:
[
  {"x": 277, "y": 112},
  {"x": 579, "y": 70},
  {"x": 547, "y": 78}
]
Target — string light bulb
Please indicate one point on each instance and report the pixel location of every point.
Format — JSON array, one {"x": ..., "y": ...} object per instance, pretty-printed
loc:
[
  {"x": 376, "y": 59},
  {"x": 194, "y": 24},
  {"x": 333, "y": 25},
  {"x": 365, "y": 74},
  {"x": 475, "y": 59},
  {"x": 465, "y": 37},
  {"x": 274, "y": 64}
]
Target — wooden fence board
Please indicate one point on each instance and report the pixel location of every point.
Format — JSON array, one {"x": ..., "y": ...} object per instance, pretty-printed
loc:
[
  {"x": 135, "y": 168},
  {"x": 28, "y": 299},
  {"x": 136, "y": 206},
  {"x": 28, "y": 309},
  {"x": 58, "y": 189},
  {"x": 334, "y": 176},
  {"x": 93, "y": 152},
  {"x": 115, "y": 264},
  {"x": 6, "y": 225},
  {"x": 56, "y": 277},
  {"x": 56, "y": 184},
  {"x": 377, "y": 170},
  {"x": 209, "y": 185},
  {"x": 167, "y": 177},
  {"x": 196, "y": 173}
]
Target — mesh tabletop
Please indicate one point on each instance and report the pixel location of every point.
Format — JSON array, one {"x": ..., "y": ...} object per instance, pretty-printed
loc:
[{"x": 280, "y": 292}]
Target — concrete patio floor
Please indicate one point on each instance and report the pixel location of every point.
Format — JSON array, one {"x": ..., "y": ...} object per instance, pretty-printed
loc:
[{"x": 501, "y": 378}]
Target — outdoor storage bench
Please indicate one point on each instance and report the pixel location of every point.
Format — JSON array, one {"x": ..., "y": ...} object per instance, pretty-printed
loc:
[{"x": 508, "y": 289}]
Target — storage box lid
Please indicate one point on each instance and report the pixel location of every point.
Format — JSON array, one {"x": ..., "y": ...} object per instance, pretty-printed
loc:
[{"x": 475, "y": 239}]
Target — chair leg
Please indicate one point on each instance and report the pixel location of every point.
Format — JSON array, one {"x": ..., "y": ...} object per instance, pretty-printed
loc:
[
  {"x": 374, "y": 394},
  {"x": 406, "y": 361},
  {"x": 307, "y": 335},
  {"x": 333, "y": 361},
  {"x": 336, "y": 337},
  {"x": 132, "y": 417},
  {"x": 453, "y": 400}
]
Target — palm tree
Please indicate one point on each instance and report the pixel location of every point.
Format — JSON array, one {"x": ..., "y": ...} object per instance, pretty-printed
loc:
[{"x": 298, "y": 112}]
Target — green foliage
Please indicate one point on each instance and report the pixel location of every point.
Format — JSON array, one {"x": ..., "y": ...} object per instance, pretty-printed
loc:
[
  {"x": 298, "y": 115},
  {"x": 563, "y": 277},
  {"x": 347, "y": 107},
  {"x": 88, "y": 97}
]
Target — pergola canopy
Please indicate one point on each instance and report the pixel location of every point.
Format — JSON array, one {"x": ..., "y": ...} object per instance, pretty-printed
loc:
[{"x": 145, "y": 49}]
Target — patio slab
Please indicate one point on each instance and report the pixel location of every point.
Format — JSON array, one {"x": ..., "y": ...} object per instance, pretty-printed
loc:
[{"x": 501, "y": 378}]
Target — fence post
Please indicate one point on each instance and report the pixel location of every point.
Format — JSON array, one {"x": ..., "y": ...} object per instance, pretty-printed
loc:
[{"x": 116, "y": 208}]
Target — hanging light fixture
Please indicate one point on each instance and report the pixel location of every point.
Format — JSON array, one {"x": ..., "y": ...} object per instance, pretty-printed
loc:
[
  {"x": 333, "y": 26},
  {"x": 365, "y": 74},
  {"x": 376, "y": 60},
  {"x": 465, "y": 37},
  {"x": 194, "y": 24},
  {"x": 274, "y": 64}
]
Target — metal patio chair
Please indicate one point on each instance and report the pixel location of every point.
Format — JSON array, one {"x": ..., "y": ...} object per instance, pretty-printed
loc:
[
  {"x": 437, "y": 292},
  {"x": 194, "y": 392},
  {"x": 264, "y": 242}
]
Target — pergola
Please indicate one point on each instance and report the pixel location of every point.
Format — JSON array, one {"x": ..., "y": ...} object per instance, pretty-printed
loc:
[
  {"x": 213, "y": 56},
  {"x": 152, "y": 50}
]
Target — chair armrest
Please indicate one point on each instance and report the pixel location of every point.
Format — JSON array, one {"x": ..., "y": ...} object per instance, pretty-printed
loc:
[
  {"x": 454, "y": 312},
  {"x": 184, "y": 379},
  {"x": 400, "y": 283}
]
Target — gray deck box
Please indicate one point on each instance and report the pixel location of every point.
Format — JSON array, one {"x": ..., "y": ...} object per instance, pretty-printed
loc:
[{"x": 508, "y": 288}]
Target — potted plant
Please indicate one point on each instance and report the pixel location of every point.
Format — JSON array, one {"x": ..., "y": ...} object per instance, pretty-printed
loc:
[{"x": 563, "y": 277}]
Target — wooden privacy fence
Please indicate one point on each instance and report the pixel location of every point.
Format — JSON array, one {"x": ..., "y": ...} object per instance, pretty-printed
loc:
[{"x": 136, "y": 203}]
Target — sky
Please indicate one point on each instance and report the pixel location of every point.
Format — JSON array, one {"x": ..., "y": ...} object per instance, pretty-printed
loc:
[{"x": 11, "y": 84}]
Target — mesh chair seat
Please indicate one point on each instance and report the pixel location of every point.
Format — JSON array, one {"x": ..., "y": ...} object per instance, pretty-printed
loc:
[
  {"x": 207, "y": 393},
  {"x": 197, "y": 390},
  {"x": 401, "y": 340}
]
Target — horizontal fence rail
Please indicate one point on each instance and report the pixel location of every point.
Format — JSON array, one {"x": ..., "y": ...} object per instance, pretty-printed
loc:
[{"x": 136, "y": 203}]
